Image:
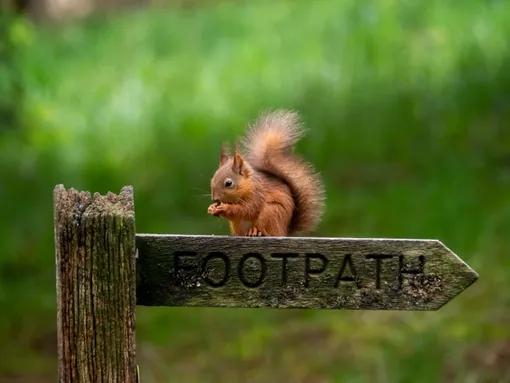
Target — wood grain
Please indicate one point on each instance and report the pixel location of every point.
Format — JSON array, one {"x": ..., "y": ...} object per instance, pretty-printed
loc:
[
  {"x": 320, "y": 273},
  {"x": 95, "y": 266}
]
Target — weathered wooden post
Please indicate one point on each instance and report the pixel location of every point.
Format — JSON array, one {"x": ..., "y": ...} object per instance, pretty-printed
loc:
[{"x": 96, "y": 279}]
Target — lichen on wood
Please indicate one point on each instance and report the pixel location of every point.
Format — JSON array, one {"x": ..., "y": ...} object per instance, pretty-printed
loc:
[{"x": 95, "y": 267}]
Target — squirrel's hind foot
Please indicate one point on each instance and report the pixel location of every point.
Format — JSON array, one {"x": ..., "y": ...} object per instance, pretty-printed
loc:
[{"x": 254, "y": 232}]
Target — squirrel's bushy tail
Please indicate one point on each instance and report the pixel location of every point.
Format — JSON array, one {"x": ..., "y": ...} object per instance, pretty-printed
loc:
[{"x": 269, "y": 146}]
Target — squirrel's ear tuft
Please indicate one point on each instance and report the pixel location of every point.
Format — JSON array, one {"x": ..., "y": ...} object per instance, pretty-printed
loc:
[
  {"x": 238, "y": 165},
  {"x": 224, "y": 157}
]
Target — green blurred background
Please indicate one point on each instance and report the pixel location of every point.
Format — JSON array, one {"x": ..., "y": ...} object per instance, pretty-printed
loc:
[{"x": 408, "y": 105}]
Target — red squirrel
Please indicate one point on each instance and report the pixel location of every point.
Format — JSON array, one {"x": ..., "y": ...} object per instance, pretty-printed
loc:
[{"x": 267, "y": 190}]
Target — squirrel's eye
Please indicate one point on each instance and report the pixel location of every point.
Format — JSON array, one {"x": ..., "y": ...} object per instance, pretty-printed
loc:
[{"x": 228, "y": 183}]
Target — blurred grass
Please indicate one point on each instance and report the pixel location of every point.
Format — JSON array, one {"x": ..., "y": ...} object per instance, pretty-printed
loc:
[{"x": 409, "y": 109}]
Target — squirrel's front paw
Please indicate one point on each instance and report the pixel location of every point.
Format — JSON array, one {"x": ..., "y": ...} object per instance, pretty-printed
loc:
[
  {"x": 212, "y": 209},
  {"x": 216, "y": 209}
]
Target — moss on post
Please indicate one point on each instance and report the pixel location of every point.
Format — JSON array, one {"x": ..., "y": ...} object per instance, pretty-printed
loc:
[{"x": 96, "y": 301}]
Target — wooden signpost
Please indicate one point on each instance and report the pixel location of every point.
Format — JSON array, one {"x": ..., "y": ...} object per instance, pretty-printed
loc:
[{"x": 105, "y": 269}]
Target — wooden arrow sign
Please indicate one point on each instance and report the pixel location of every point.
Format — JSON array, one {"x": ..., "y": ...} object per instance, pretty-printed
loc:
[{"x": 321, "y": 273}]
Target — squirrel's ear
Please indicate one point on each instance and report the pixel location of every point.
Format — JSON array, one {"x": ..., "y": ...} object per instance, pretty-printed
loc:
[
  {"x": 223, "y": 155},
  {"x": 238, "y": 165}
]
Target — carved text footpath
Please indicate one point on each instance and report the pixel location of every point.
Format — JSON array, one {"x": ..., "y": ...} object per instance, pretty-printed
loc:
[{"x": 255, "y": 278}]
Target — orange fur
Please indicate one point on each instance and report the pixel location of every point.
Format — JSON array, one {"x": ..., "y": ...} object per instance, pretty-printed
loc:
[{"x": 268, "y": 190}]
